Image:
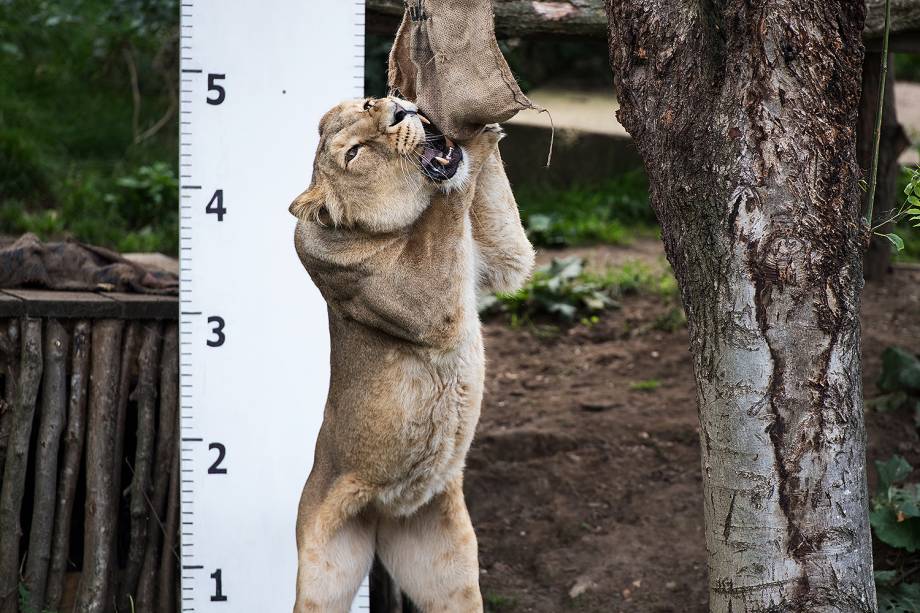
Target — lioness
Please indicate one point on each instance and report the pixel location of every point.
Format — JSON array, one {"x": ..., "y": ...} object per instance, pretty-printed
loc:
[{"x": 399, "y": 229}]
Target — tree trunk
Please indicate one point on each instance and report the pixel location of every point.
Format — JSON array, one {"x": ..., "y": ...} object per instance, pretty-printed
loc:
[
  {"x": 70, "y": 465},
  {"x": 9, "y": 363},
  {"x": 54, "y": 401},
  {"x": 892, "y": 143},
  {"x": 744, "y": 114},
  {"x": 17, "y": 457}
]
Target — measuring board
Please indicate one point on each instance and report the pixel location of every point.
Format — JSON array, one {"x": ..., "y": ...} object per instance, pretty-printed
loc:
[{"x": 256, "y": 76}]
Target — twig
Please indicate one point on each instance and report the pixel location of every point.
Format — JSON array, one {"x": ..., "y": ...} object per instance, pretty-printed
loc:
[{"x": 877, "y": 135}]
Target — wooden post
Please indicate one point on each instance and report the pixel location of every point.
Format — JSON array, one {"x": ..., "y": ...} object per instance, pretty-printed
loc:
[
  {"x": 53, "y": 403},
  {"x": 165, "y": 450},
  {"x": 94, "y": 594},
  {"x": 70, "y": 465},
  {"x": 9, "y": 363},
  {"x": 17, "y": 456},
  {"x": 146, "y": 396},
  {"x": 166, "y": 599}
]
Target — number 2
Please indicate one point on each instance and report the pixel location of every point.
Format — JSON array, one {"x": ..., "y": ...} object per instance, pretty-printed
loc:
[{"x": 215, "y": 468}]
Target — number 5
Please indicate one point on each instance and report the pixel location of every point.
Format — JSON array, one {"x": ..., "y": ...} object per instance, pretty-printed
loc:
[{"x": 214, "y": 87}]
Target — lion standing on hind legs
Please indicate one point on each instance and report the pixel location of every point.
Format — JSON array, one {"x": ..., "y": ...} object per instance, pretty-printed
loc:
[{"x": 399, "y": 230}]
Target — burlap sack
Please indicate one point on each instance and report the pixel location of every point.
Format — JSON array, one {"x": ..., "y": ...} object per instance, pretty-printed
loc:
[{"x": 446, "y": 59}]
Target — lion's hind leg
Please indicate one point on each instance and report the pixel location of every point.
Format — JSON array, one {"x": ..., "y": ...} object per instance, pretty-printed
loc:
[
  {"x": 335, "y": 545},
  {"x": 433, "y": 555}
]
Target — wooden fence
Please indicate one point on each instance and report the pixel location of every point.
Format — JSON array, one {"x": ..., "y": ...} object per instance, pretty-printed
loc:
[{"x": 89, "y": 515}]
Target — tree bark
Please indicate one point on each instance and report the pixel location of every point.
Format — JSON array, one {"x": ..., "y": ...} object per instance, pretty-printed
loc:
[
  {"x": 53, "y": 405},
  {"x": 744, "y": 114},
  {"x": 165, "y": 450},
  {"x": 17, "y": 457},
  {"x": 70, "y": 465},
  {"x": 95, "y": 594},
  {"x": 893, "y": 142},
  {"x": 587, "y": 18},
  {"x": 146, "y": 396}
]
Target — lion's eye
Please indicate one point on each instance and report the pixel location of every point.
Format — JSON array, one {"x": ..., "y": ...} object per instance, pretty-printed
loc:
[{"x": 351, "y": 154}]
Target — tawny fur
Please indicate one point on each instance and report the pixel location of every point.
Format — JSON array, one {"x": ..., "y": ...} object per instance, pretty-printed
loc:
[{"x": 399, "y": 260}]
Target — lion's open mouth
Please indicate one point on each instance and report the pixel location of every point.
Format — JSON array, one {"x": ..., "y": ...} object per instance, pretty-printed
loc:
[{"x": 441, "y": 157}]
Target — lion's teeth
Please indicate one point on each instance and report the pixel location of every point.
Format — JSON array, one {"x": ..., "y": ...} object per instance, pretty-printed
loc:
[
  {"x": 442, "y": 161},
  {"x": 424, "y": 119}
]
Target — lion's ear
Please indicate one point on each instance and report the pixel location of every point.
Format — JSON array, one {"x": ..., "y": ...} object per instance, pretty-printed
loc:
[{"x": 307, "y": 205}]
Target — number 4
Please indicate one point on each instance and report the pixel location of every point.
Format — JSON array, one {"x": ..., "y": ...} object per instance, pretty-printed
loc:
[{"x": 216, "y": 205}]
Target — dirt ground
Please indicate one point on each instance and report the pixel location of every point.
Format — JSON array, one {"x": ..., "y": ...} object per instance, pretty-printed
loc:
[{"x": 586, "y": 492}]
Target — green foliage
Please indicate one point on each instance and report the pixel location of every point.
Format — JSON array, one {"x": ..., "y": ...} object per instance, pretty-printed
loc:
[
  {"x": 67, "y": 133},
  {"x": 496, "y": 603},
  {"x": 907, "y": 66},
  {"x": 895, "y": 520},
  {"x": 565, "y": 291},
  {"x": 906, "y": 238},
  {"x": 895, "y": 513},
  {"x": 896, "y": 597},
  {"x": 899, "y": 382},
  {"x": 649, "y": 385},
  {"x": 136, "y": 212},
  {"x": 583, "y": 215}
]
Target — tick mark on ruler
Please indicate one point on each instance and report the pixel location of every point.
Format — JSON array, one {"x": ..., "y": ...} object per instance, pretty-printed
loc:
[
  {"x": 193, "y": 70},
  {"x": 193, "y": 440}
]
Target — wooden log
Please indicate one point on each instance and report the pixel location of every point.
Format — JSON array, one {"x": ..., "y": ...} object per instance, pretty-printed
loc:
[
  {"x": 74, "y": 437},
  {"x": 166, "y": 598},
  {"x": 51, "y": 424},
  {"x": 94, "y": 594},
  {"x": 9, "y": 366},
  {"x": 146, "y": 396},
  {"x": 588, "y": 18},
  {"x": 165, "y": 451},
  {"x": 17, "y": 457}
]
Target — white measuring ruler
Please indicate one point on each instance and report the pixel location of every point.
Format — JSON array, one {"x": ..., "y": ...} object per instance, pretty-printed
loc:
[{"x": 256, "y": 76}]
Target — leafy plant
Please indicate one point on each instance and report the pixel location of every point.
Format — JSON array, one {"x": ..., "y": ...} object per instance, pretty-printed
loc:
[
  {"x": 895, "y": 510},
  {"x": 895, "y": 520},
  {"x": 565, "y": 291},
  {"x": 607, "y": 213},
  {"x": 909, "y": 211},
  {"x": 899, "y": 382}
]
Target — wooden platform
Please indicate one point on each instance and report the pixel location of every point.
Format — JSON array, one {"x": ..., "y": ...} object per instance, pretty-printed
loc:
[{"x": 87, "y": 305}]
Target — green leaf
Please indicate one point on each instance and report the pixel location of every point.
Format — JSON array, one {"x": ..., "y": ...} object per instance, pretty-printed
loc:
[
  {"x": 892, "y": 471},
  {"x": 900, "y": 372},
  {"x": 900, "y": 598},
  {"x": 895, "y": 240},
  {"x": 900, "y": 534}
]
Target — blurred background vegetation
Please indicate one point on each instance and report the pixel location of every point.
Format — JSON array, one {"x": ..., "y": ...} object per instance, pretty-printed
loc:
[{"x": 89, "y": 129}]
